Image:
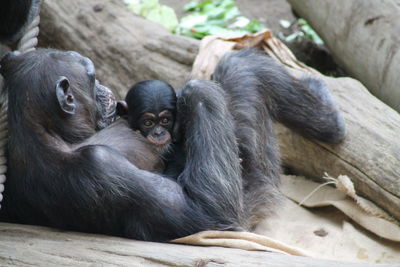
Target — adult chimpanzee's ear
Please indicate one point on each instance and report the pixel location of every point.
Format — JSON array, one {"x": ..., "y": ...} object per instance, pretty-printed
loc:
[
  {"x": 122, "y": 108},
  {"x": 65, "y": 97}
]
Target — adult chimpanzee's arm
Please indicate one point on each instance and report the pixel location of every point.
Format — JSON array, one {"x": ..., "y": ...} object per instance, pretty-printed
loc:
[
  {"x": 305, "y": 105},
  {"x": 120, "y": 199}
]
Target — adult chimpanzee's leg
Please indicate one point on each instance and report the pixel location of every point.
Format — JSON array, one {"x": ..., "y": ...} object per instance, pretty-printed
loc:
[
  {"x": 212, "y": 175},
  {"x": 303, "y": 104},
  {"x": 259, "y": 89},
  {"x": 256, "y": 138}
]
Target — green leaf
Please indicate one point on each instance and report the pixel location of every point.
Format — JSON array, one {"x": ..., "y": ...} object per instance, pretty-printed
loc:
[
  {"x": 240, "y": 22},
  {"x": 135, "y": 7},
  {"x": 165, "y": 16},
  {"x": 153, "y": 11},
  {"x": 254, "y": 26},
  {"x": 191, "y": 6},
  {"x": 214, "y": 17},
  {"x": 192, "y": 20}
]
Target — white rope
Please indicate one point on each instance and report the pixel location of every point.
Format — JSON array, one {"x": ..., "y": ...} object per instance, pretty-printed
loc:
[{"x": 27, "y": 43}]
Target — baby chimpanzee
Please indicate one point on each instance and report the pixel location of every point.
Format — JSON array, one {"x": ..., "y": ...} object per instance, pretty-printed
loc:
[{"x": 151, "y": 109}]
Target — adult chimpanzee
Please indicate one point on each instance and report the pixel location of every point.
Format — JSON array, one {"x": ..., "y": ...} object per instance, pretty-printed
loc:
[
  {"x": 15, "y": 15},
  {"x": 64, "y": 174},
  {"x": 65, "y": 171},
  {"x": 150, "y": 107}
]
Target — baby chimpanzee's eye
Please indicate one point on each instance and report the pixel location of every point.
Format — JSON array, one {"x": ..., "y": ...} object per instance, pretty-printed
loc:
[
  {"x": 164, "y": 120},
  {"x": 148, "y": 123}
]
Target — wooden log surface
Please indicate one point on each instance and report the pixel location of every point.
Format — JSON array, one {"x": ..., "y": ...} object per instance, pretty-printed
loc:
[
  {"x": 364, "y": 37},
  {"x": 127, "y": 49},
  {"x": 369, "y": 155},
  {"x": 39, "y": 246}
]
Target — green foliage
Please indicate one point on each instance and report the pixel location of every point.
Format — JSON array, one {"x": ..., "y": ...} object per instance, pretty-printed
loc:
[
  {"x": 153, "y": 11},
  {"x": 305, "y": 31},
  {"x": 309, "y": 32},
  {"x": 215, "y": 17},
  {"x": 207, "y": 17}
]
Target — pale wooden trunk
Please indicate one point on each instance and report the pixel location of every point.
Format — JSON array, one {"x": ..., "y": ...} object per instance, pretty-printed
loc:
[
  {"x": 38, "y": 246},
  {"x": 364, "y": 36}
]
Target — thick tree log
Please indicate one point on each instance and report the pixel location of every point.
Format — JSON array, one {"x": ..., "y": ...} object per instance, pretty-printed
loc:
[
  {"x": 39, "y": 246},
  {"x": 128, "y": 49},
  {"x": 125, "y": 48},
  {"x": 364, "y": 37},
  {"x": 370, "y": 154}
]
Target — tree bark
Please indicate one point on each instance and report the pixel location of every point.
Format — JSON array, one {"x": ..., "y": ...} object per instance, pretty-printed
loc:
[
  {"x": 124, "y": 48},
  {"x": 23, "y": 245},
  {"x": 364, "y": 37},
  {"x": 369, "y": 155}
]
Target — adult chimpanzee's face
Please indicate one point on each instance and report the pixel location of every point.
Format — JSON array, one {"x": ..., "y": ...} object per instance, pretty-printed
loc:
[
  {"x": 103, "y": 96},
  {"x": 59, "y": 91}
]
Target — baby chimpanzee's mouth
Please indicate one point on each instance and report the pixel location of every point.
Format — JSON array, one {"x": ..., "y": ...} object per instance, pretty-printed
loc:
[{"x": 159, "y": 142}]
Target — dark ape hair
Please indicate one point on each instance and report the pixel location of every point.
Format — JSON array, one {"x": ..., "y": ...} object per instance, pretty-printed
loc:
[
  {"x": 104, "y": 181},
  {"x": 151, "y": 95}
]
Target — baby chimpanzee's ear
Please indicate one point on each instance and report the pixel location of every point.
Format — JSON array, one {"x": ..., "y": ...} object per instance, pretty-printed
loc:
[{"x": 122, "y": 108}]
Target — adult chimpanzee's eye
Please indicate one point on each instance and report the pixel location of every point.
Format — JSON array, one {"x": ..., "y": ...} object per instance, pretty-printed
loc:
[
  {"x": 148, "y": 123},
  {"x": 164, "y": 120}
]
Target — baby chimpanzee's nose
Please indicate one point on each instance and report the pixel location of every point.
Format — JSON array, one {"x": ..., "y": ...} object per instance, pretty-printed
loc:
[{"x": 158, "y": 132}]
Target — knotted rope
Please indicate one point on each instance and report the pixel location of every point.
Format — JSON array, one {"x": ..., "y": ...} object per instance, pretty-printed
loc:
[{"x": 27, "y": 43}]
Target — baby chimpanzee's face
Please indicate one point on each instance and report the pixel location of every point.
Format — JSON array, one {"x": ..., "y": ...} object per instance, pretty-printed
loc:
[
  {"x": 151, "y": 109},
  {"x": 157, "y": 127}
]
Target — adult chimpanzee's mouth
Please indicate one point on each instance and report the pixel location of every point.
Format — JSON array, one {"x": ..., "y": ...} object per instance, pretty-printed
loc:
[{"x": 107, "y": 105}]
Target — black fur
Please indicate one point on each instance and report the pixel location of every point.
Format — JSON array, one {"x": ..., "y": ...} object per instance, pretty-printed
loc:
[
  {"x": 64, "y": 174},
  {"x": 67, "y": 172},
  {"x": 151, "y": 96},
  {"x": 260, "y": 90},
  {"x": 154, "y": 96},
  {"x": 15, "y": 15}
]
